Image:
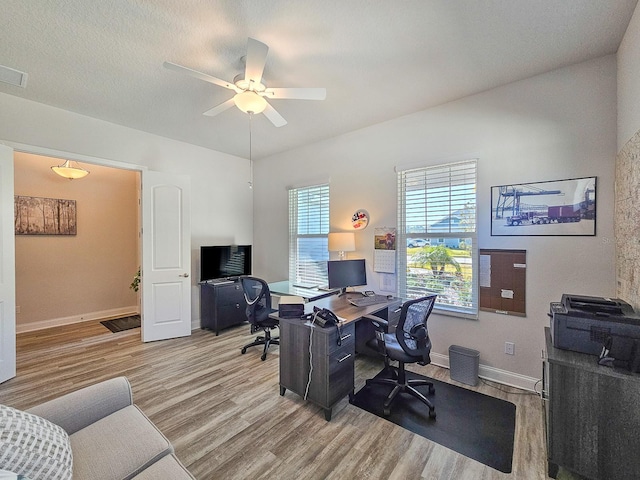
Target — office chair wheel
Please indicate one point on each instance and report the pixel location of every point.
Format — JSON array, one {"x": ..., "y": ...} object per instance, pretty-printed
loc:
[
  {"x": 263, "y": 357},
  {"x": 432, "y": 389},
  {"x": 244, "y": 350},
  {"x": 432, "y": 413},
  {"x": 386, "y": 411}
]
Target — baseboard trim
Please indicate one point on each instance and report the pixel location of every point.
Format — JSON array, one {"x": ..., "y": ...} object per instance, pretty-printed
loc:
[
  {"x": 85, "y": 317},
  {"x": 493, "y": 374}
]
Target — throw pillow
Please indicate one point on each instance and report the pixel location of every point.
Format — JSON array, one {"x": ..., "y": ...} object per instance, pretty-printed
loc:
[{"x": 33, "y": 446}]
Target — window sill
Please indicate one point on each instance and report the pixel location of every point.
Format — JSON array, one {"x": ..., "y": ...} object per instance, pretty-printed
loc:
[{"x": 452, "y": 312}]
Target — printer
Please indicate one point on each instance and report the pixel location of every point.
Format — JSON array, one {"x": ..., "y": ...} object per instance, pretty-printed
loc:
[{"x": 586, "y": 324}]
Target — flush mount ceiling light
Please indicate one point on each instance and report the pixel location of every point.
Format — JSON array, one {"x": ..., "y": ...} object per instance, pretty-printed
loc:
[{"x": 70, "y": 169}]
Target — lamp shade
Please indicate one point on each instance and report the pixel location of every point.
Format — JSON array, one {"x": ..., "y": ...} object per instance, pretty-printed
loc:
[
  {"x": 342, "y": 242},
  {"x": 250, "y": 102},
  {"x": 67, "y": 170}
]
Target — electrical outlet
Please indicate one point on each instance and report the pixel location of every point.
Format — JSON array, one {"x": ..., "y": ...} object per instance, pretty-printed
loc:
[{"x": 509, "y": 348}]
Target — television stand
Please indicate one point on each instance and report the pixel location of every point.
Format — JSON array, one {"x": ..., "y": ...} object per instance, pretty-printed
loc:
[{"x": 222, "y": 304}]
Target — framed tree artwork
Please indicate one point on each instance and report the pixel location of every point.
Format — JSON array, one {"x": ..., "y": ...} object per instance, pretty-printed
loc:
[{"x": 44, "y": 216}]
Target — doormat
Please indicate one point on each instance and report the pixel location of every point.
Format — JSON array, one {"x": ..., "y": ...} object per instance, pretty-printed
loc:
[
  {"x": 473, "y": 424},
  {"x": 122, "y": 324}
]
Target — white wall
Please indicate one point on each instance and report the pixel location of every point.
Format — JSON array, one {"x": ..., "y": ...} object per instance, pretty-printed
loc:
[
  {"x": 629, "y": 81},
  {"x": 554, "y": 126},
  {"x": 221, "y": 210}
]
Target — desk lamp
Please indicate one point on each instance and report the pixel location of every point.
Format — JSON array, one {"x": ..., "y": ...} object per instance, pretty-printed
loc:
[{"x": 342, "y": 242}]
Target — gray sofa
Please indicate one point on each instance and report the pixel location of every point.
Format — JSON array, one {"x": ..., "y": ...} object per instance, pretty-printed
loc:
[{"x": 110, "y": 436}]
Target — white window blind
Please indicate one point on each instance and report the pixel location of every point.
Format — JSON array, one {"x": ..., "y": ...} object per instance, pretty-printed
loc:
[
  {"x": 437, "y": 248},
  {"x": 308, "y": 230}
]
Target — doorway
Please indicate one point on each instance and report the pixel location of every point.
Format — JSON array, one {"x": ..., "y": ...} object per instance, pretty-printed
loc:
[{"x": 66, "y": 279}]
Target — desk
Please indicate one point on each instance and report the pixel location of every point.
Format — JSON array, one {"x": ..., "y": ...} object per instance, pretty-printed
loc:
[
  {"x": 332, "y": 377},
  {"x": 309, "y": 294}
]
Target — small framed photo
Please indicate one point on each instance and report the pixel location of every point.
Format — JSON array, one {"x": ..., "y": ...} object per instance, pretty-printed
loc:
[{"x": 556, "y": 207}]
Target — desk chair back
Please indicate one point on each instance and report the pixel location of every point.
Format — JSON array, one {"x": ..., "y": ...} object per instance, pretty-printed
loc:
[
  {"x": 412, "y": 332},
  {"x": 409, "y": 344},
  {"x": 258, "y": 298}
]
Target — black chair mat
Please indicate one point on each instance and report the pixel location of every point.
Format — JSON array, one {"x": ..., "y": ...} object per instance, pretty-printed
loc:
[{"x": 473, "y": 424}]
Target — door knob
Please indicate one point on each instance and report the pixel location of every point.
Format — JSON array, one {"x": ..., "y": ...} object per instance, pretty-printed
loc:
[{"x": 185, "y": 275}]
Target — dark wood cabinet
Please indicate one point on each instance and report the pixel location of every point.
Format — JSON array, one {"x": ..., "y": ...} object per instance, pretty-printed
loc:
[
  {"x": 222, "y": 305},
  {"x": 592, "y": 416},
  {"x": 332, "y": 372}
]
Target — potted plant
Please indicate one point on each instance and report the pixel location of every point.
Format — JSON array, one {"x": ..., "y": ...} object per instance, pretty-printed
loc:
[{"x": 135, "y": 285}]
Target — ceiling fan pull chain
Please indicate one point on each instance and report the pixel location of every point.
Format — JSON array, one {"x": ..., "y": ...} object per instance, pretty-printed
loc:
[{"x": 250, "y": 157}]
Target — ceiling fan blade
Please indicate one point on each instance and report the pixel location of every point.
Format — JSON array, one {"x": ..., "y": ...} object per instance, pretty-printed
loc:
[
  {"x": 220, "y": 108},
  {"x": 296, "y": 93},
  {"x": 256, "y": 59},
  {"x": 200, "y": 75},
  {"x": 275, "y": 118}
]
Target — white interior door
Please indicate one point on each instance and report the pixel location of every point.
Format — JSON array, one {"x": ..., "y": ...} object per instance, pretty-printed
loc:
[
  {"x": 7, "y": 268},
  {"x": 166, "y": 256}
]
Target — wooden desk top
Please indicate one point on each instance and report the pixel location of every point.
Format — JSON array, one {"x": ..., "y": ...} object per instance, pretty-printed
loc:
[{"x": 343, "y": 309}]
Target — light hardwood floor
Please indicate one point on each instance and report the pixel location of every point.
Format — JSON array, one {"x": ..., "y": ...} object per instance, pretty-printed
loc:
[{"x": 223, "y": 413}]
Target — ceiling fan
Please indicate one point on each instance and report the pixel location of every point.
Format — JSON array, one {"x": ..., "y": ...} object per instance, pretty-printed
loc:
[{"x": 251, "y": 92}]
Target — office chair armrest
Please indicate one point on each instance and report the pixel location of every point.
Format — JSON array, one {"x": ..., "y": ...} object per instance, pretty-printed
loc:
[
  {"x": 381, "y": 327},
  {"x": 421, "y": 336},
  {"x": 380, "y": 324}
]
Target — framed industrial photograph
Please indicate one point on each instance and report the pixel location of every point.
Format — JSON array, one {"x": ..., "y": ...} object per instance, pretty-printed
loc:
[
  {"x": 556, "y": 207},
  {"x": 44, "y": 216}
]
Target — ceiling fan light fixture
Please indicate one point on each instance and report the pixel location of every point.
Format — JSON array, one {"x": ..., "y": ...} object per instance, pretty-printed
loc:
[
  {"x": 250, "y": 102},
  {"x": 72, "y": 172}
]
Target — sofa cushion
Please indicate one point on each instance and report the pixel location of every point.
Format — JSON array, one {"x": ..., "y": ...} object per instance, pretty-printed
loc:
[
  {"x": 167, "y": 468},
  {"x": 118, "y": 446},
  {"x": 32, "y": 446}
]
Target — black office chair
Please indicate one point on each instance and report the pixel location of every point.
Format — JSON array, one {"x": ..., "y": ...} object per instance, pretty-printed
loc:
[
  {"x": 258, "y": 298},
  {"x": 409, "y": 344}
]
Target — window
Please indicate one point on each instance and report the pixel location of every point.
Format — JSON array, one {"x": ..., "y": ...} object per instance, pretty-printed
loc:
[
  {"x": 437, "y": 249},
  {"x": 308, "y": 230}
]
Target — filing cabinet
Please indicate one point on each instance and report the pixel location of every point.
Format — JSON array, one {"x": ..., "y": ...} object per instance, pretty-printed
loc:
[
  {"x": 591, "y": 416},
  {"x": 222, "y": 305},
  {"x": 331, "y": 363}
]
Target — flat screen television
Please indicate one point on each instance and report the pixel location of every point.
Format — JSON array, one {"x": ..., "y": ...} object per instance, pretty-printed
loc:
[
  {"x": 224, "y": 261},
  {"x": 346, "y": 273}
]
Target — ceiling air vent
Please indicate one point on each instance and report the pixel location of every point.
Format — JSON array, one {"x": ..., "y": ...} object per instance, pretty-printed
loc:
[{"x": 13, "y": 77}]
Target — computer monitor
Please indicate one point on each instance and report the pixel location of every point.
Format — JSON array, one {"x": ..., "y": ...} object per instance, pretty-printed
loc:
[{"x": 346, "y": 273}]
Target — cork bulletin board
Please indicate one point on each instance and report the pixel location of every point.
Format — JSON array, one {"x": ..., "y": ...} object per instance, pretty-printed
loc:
[{"x": 503, "y": 281}]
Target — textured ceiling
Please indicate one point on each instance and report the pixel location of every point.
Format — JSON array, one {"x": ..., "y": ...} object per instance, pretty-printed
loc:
[{"x": 378, "y": 59}]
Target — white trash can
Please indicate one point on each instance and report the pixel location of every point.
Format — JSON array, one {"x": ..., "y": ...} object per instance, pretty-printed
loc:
[{"x": 463, "y": 364}]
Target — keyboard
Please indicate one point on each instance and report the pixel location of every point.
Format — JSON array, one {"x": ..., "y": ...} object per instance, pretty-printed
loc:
[{"x": 366, "y": 301}]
